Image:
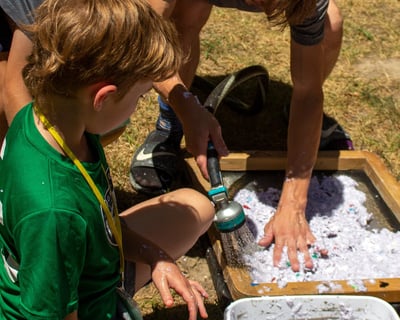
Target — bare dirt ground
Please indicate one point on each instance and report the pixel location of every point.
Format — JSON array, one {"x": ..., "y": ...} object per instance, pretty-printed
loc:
[{"x": 362, "y": 94}]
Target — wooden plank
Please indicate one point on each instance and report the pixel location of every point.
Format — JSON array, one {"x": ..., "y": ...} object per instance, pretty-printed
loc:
[
  {"x": 276, "y": 160},
  {"x": 387, "y": 186},
  {"x": 238, "y": 279},
  {"x": 370, "y": 163}
]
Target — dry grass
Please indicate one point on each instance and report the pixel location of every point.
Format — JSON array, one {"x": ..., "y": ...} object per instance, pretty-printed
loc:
[{"x": 362, "y": 94}]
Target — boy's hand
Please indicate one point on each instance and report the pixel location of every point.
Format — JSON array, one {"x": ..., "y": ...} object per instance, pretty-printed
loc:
[{"x": 166, "y": 275}]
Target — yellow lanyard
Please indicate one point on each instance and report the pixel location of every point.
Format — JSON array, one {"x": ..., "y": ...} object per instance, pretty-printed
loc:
[{"x": 114, "y": 223}]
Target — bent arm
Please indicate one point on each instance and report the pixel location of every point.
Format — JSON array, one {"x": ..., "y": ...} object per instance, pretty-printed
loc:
[
  {"x": 165, "y": 273},
  {"x": 199, "y": 125},
  {"x": 16, "y": 95}
]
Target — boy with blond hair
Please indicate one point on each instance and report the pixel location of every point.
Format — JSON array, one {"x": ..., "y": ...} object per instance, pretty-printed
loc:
[{"x": 63, "y": 244}]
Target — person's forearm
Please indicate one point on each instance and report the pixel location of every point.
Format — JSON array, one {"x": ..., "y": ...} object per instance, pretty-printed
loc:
[
  {"x": 304, "y": 135},
  {"x": 303, "y": 142},
  {"x": 139, "y": 249},
  {"x": 306, "y": 109},
  {"x": 175, "y": 93}
]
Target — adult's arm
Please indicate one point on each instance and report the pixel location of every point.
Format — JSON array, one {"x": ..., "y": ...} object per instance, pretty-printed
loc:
[
  {"x": 16, "y": 95},
  {"x": 311, "y": 63},
  {"x": 289, "y": 226},
  {"x": 199, "y": 125}
]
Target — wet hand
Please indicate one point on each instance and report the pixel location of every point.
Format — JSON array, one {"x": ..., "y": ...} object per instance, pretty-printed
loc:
[
  {"x": 289, "y": 228},
  {"x": 166, "y": 275}
]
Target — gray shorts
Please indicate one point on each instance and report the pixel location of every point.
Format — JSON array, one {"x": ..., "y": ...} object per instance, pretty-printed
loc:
[{"x": 310, "y": 32}]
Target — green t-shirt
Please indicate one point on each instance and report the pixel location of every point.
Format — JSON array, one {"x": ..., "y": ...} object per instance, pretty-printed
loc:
[{"x": 57, "y": 251}]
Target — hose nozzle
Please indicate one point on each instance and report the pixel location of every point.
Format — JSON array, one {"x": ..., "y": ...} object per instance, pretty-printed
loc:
[{"x": 229, "y": 215}]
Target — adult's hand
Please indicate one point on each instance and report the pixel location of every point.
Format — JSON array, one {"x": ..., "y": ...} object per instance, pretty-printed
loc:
[
  {"x": 199, "y": 125},
  {"x": 289, "y": 227}
]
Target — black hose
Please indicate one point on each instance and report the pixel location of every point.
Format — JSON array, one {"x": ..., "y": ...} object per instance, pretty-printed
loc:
[{"x": 226, "y": 86}]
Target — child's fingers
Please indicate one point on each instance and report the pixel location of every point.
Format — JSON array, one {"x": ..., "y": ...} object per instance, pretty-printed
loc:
[
  {"x": 200, "y": 304},
  {"x": 192, "y": 293},
  {"x": 201, "y": 294},
  {"x": 181, "y": 285},
  {"x": 167, "y": 278},
  {"x": 199, "y": 288},
  {"x": 165, "y": 293},
  {"x": 192, "y": 299}
]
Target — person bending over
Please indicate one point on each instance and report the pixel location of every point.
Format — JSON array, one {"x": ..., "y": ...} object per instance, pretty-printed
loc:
[{"x": 316, "y": 34}]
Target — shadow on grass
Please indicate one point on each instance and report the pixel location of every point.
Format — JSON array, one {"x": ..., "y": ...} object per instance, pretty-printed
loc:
[
  {"x": 215, "y": 312},
  {"x": 263, "y": 129}
]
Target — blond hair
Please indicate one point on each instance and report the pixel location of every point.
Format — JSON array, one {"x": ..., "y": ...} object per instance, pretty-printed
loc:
[
  {"x": 82, "y": 42},
  {"x": 291, "y": 12}
]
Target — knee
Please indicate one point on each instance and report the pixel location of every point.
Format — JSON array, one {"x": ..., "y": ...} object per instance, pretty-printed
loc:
[{"x": 200, "y": 204}]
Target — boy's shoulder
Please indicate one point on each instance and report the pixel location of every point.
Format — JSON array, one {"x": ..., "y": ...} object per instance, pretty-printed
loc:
[{"x": 18, "y": 135}]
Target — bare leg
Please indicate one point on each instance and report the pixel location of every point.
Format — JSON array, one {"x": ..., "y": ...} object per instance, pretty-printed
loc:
[{"x": 173, "y": 221}]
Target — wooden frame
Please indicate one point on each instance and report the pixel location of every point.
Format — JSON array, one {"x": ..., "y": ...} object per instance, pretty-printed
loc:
[{"x": 238, "y": 279}]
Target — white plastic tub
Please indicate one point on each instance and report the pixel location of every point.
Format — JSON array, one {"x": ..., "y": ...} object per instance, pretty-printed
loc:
[{"x": 311, "y": 307}]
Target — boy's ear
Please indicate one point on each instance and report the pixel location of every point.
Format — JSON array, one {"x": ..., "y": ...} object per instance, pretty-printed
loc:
[{"x": 101, "y": 93}]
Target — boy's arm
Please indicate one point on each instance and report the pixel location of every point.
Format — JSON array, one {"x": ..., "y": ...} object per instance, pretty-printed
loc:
[
  {"x": 165, "y": 273},
  {"x": 16, "y": 94}
]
